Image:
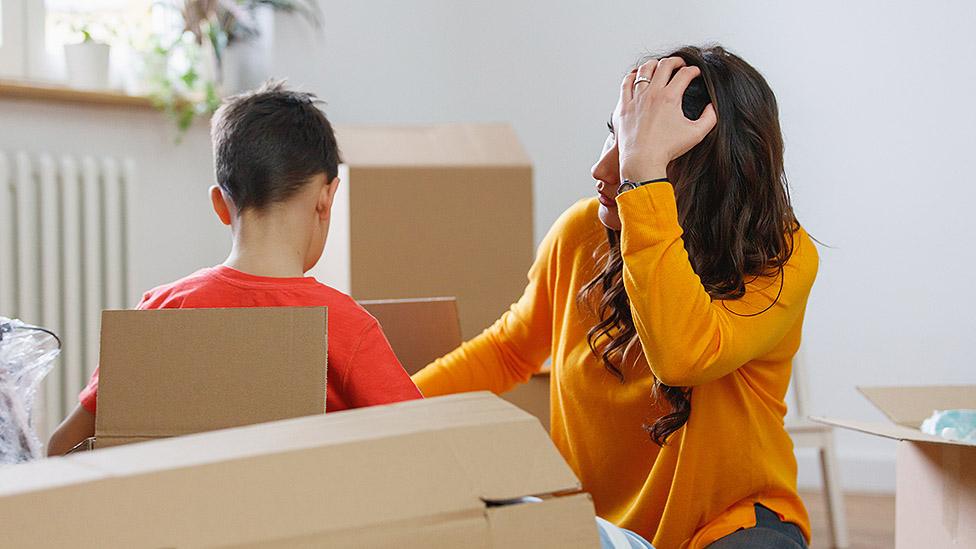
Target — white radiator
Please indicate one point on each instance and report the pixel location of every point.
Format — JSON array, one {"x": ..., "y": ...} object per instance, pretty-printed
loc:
[{"x": 64, "y": 257}]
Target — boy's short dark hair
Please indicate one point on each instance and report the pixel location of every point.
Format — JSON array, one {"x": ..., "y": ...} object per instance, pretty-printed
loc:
[{"x": 267, "y": 143}]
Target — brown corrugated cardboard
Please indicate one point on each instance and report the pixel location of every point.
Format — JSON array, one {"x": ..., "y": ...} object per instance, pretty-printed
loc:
[
  {"x": 419, "y": 330},
  {"x": 172, "y": 372},
  {"x": 936, "y": 478},
  {"x": 423, "y": 330},
  {"x": 432, "y": 145},
  {"x": 910, "y": 406},
  {"x": 429, "y": 211},
  {"x": 349, "y": 479},
  {"x": 533, "y": 397}
]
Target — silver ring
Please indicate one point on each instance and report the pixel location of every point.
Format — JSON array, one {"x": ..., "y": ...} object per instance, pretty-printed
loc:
[{"x": 641, "y": 79}]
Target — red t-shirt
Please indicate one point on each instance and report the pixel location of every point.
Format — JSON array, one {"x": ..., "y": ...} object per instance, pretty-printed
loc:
[{"x": 363, "y": 371}]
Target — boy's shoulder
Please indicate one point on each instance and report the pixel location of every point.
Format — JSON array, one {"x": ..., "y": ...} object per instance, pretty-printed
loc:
[
  {"x": 344, "y": 303},
  {"x": 222, "y": 287},
  {"x": 172, "y": 295}
]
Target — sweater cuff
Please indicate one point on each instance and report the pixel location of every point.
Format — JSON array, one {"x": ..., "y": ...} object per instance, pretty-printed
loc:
[{"x": 648, "y": 215}]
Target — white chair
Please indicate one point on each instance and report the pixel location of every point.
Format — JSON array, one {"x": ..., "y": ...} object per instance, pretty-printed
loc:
[{"x": 807, "y": 434}]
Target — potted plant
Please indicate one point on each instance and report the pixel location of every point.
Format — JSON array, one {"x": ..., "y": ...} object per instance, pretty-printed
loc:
[
  {"x": 87, "y": 62},
  {"x": 191, "y": 71}
]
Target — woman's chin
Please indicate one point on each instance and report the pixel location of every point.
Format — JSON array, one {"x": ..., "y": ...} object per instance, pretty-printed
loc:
[{"x": 609, "y": 218}]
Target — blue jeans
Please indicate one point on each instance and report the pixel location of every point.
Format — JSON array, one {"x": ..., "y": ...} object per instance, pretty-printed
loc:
[
  {"x": 769, "y": 533},
  {"x": 615, "y": 537}
]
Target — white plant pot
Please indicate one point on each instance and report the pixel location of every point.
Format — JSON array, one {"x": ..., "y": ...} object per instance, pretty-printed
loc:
[
  {"x": 87, "y": 65},
  {"x": 247, "y": 64}
]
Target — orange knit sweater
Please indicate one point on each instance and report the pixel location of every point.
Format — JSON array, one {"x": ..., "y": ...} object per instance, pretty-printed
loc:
[{"x": 734, "y": 450}]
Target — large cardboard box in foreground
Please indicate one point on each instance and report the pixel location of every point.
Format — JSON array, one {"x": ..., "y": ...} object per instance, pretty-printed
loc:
[
  {"x": 935, "y": 499},
  {"x": 423, "y": 330},
  {"x": 172, "y": 372},
  {"x": 426, "y": 211},
  {"x": 436, "y": 473}
]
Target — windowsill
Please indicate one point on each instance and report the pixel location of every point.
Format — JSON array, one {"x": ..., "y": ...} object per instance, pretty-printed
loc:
[{"x": 30, "y": 91}]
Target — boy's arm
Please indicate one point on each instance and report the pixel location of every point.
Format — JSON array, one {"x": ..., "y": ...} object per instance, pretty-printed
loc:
[
  {"x": 75, "y": 428},
  {"x": 374, "y": 375}
]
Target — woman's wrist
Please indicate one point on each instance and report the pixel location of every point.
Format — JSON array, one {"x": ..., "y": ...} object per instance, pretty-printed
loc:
[
  {"x": 628, "y": 185},
  {"x": 644, "y": 174}
]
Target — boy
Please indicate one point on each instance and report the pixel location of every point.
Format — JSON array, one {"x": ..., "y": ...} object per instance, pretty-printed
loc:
[{"x": 276, "y": 165}]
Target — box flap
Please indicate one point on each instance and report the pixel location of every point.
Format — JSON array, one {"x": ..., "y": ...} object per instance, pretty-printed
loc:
[
  {"x": 909, "y": 406},
  {"x": 176, "y": 371},
  {"x": 425, "y": 461},
  {"x": 434, "y": 145},
  {"x": 888, "y": 430},
  {"x": 419, "y": 330},
  {"x": 45, "y": 474},
  {"x": 479, "y": 426}
]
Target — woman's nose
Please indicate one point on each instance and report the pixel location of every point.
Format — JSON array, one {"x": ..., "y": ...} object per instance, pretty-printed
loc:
[
  {"x": 595, "y": 172},
  {"x": 604, "y": 170}
]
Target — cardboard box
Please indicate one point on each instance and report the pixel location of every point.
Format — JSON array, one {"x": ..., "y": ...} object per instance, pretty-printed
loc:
[
  {"x": 173, "y": 372},
  {"x": 419, "y": 330},
  {"x": 533, "y": 397},
  {"x": 935, "y": 497},
  {"x": 431, "y": 473},
  {"x": 423, "y": 330},
  {"x": 426, "y": 211}
]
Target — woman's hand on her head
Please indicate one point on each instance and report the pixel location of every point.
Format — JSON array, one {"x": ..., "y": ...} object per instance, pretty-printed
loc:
[{"x": 650, "y": 127}]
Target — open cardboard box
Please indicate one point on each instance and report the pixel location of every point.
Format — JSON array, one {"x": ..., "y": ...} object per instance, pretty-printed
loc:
[
  {"x": 419, "y": 330},
  {"x": 172, "y": 372},
  {"x": 935, "y": 497},
  {"x": 441, "y": 472},
  {"x": 422, "y": 330}
]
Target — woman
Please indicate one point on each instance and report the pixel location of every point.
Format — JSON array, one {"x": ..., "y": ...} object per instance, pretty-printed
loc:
[{"x": 672, "y": 306}]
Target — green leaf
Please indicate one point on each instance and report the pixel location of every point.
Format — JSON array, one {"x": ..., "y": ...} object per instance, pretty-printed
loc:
[{"x": 190, "y": 77}]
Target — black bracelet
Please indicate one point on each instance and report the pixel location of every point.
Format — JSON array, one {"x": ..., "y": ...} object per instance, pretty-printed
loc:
[{"x": 628, "y": 185}]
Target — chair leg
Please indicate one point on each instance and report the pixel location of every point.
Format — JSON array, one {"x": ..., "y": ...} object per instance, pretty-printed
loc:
[{"x": 836, "y": 514}]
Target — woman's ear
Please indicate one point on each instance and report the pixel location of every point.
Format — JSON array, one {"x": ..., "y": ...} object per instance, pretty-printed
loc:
[
  {"x": 327, "y": 197},
  {"x": 220, "y": 206}
]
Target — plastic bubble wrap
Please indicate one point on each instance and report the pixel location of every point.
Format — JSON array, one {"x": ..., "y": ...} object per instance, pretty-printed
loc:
[
  {"x": 959, "y": 425},
  {"x": 27, "y": 354}
]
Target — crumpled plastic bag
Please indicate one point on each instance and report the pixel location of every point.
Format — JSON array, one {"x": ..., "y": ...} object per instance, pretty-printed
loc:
[
  {"x": 27, "y": 354},
  {"x": 958, "y": 425}
]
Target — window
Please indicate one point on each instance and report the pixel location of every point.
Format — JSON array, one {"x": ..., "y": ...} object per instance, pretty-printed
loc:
[
  {"x": 33, "y": 33},
  {"x": 12, "y": 48}
]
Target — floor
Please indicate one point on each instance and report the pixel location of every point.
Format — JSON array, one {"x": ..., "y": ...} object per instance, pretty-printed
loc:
[{"x": 870, "y": 520}]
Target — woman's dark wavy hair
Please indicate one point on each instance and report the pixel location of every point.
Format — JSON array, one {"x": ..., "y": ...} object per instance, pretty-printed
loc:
[{"x": 733, "y": 206}]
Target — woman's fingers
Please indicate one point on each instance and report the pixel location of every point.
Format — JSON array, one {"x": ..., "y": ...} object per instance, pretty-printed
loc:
[
  {"x": 682, "y": 79},
  {"x": 664, "y": 69},
  {"x": 627, "y": 87},
  {"x": 706, "y": 121},
  {"x": 645, "y": 72}
]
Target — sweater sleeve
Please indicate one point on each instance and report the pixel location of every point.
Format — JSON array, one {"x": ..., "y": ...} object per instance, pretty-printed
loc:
[
  {"x": 514, "y": 347},
  {"x": 689, "y": 339}
]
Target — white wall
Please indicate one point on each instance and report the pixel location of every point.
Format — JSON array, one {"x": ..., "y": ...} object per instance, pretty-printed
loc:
[{"x": 874, "y": 101}]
